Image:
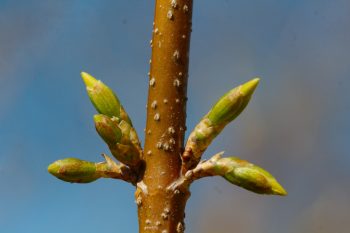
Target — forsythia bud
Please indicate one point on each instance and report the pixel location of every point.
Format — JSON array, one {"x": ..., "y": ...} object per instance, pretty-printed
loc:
[
  {"x": 232, "y": 103},
  {"x": 121, "y": 139},
  {"x": 248, "y": 176},
  {"x": 107, "y": 129},
  {"x": 74, "y": 170},
  {"x": 103, "y": 98},
  {"x": 224, "y": 111},
  {"x": 79, "y": 171}
]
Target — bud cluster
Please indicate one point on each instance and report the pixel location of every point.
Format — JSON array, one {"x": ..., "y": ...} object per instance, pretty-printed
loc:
[{"x": 113, "y": 123}]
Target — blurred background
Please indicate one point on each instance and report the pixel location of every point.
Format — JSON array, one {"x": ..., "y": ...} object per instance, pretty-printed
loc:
[{"x": 296, "y": 126}]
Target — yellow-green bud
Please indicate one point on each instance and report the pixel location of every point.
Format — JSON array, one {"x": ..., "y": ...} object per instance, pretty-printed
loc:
[
  {"x": 107, "y": 129},
  {"x": 74, "y": 170},
  {"x": 129, "y": 134},
  {"x": 224, "y": 111},
  {"x": 103, "y": 98},
  {"x": 248, "y": 176},
  {"x": 127, "y": 154},
  {"x": 232, "y": 103},
  {"x": 121, "y": 139}
]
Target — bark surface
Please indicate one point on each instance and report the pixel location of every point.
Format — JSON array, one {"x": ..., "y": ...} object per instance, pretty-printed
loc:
[{"x": 159, "y": 210}]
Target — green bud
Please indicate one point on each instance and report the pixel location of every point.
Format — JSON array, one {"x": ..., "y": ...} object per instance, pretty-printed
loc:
[
  {"x": 127, "y": 154},
  {"x": 232, "y": 103},
  {"x": 74, "y": 170},
  {"x": 128, "y": 151},
  {"x": 103, "y": 98},
  {"x": 224, "y": 111},
  {"x": 248, "y": 176},
  {"x": 121, "y": 139},
  {"x": 107, "y": 129},
  {"x": 129, "y": 134}
]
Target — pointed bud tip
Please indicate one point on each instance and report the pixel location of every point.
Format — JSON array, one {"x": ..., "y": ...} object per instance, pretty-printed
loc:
[
  {"x": 53, "y": 168},
  {"x": 88, "y": 79},
  {"x": 279, "y": 190},
  {"x": 249, "y": 87}
]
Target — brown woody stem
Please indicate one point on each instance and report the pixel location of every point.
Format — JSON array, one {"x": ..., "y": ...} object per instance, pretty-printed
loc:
[
  {"x": 161, "y": 210},
  {"x": 203, "y": 169},
  {"x": 111, "y": 169}
]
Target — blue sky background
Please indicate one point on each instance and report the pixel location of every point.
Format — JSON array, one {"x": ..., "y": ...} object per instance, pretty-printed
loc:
[{"x": 297, "y": 125}]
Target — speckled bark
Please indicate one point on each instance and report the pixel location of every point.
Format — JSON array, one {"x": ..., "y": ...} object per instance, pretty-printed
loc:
[{"x": 162, "y": 211}]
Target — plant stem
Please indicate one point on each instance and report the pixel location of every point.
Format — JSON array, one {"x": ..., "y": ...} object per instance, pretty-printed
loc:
[{"x": 159, "y": 210}]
